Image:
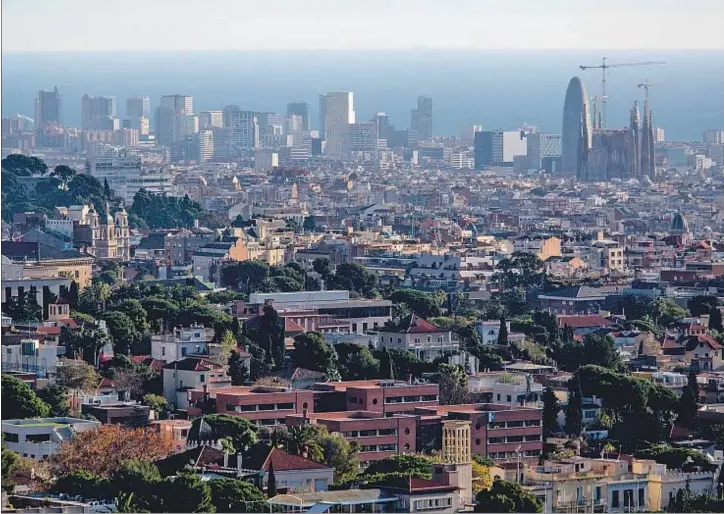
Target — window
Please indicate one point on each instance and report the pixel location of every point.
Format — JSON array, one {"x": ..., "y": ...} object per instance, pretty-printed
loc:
[
  {"x": 515, "y": 424},
  {"x": 399, "y": 340},
  {"x": 285, "y": 406},
  {"x": 202, "y": 378},
  {"x": 367, "y": 433},
  {"x": 267, "y": 406},
  {"x": 439, "y": 339},
  {"x": 183, "y": 351},
  {"x": 352, "y": 399},
  {"x": 429, "y": 339},
  {"x": 37, "y": 438},
  {"x": 641, "y": 498},
  {"x": 387, "y": 447},
  {"x": 615, "y": 500},
  {"x": 498, "y": 396},
  {"x": 163, "y": 351},
  {"x": 509, "y": 398},
  {"x": 11, "y": 438}
]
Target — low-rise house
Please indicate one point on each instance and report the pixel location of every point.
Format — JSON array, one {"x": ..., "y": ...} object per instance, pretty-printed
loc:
[
  {"x": 419, "y": 336},
  {"x": 584, "y": 324},
  {"x": 41, "y": 438},
  {"x": 507, "y": 388},
  {"x": 292, "y": 472},
  {"x": 573, "y": 300},
  {"x": 703, "y": 352},
  {"x": 193, "y": 341},
  {"x": 488, "y": 331},
  {"x": 191, "y": 373}
]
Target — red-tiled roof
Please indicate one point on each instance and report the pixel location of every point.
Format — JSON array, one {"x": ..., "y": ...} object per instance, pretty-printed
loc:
[
  {"x": 591, "y": 321},
  {"x": 284, "y": 461},
  {"x": 693, "y": 341},
  {"x": 291, "y": 326},
  {"x": 414, "y": 324},
  {"x": 146, "y": 360},
  {"x": 49, "y": 331}
]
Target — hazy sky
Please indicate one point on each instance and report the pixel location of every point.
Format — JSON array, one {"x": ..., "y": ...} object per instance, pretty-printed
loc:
[{"x": 132, "y": 25}]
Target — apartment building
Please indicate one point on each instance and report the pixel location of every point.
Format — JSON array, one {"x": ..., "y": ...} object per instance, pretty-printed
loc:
[
  {"x": 41, "y": 438},
  {"x": 419, "y": 336},
  {"x": 263, "y": 405},
  {"x": 379, "y": 436},
  {"x": 388, "y": 397},
  {"x": 500, "y": 432}
]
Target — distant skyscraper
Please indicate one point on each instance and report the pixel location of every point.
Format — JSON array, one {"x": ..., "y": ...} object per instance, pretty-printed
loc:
[
  {"x": 138, "y": 107},
  {"x": 713, "y": 136},
  {"x": 48, "y": 107},
  {"x": 421, "y": 118},
  {"x": 363, "y": 137},
  {"x": 243, "y": 130},
  {"x": 210, "y": 119},
  {"x": 205, "y": 139},
  {"x": 300, "y": 109},
  {"x": 171, "y": 118},
  {"x": 98, "y": 113},
  {"x": 336, "y": 114},
  {"x": 577, "y": 133},
  {"x": 499, "y": 148}
]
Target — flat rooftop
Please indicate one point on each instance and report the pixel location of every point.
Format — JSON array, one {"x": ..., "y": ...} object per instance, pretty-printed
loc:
[{"x": 365, "y": 384}]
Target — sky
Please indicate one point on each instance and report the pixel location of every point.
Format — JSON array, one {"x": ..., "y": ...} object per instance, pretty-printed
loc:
[{"x": 177, "y": 25}]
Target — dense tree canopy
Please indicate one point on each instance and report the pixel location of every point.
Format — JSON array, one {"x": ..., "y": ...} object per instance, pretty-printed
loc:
[
  {"x": 19, "y": 401},
  {"x": 423, "y": 304},
  {"x": 312, "y": 352},
  {"x": 161, "y": 211},
  {"x": 505, "y": 496},
  {"x": 232, "y": 495}
]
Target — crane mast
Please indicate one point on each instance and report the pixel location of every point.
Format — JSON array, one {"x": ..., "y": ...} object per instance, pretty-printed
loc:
[{"x": 605, "y": 66}]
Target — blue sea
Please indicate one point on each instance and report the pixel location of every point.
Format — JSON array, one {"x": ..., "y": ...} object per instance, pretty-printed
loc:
[{"x": 496, "y": 89}]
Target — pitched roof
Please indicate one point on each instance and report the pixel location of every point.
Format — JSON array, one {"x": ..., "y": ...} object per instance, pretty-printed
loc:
[
  {"x": 414, "y": 324},
  {"x": 27, "y": 251},
  {"x": 292, "y": 326},
  {"x": 262, "y": 457},
  {"x": 146, "y": 360},
  {"x": 693, "y": 341},
  {"x": 193, "y": 364}
]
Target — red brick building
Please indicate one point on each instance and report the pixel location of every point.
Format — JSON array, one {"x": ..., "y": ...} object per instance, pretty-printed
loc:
[
  {"x": 265, "y": 405},
  {"x": 379, "y": 437},
  {"x": 385, "y": 396},
  {"x": 497, "y": 431}
]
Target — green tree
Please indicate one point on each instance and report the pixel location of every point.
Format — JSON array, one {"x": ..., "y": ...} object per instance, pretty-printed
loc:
[
  {"x": 425, "y": 305},
  {"x": 238, "y": 371},
  {"x": 688, "y": 410},
  {"x": 597, "y": 349},
  {"x": 312, "y": 352},
  {"x": 693, "y": 385},
  {"x": 82, "y": 483},
  {"x": 322, "y": 267},
  {"x": 157, "y": 403},
  {"x": 271, "y": 482},
  {"x": 715, "y": 320},
  {"x": 340, "y": 455},
  {"x": 521, "y": 269},
  {"x": 123, "y": 332},
  {"x": 19, "y": 401},
  {"x": 503, "y": 331},
  {"x": 24, "y": 166},
  {"x": 702, "y": 304},
  {"x": 240, "y": 432},
  {"x": 410, "y": 465},
  {"x": 231, "y": 495},
  {"x": 247, "y": 276},
  {"x": 93, "y": 299},
  {"x": 355, "y": 362},
  {"x": 187, "y": 493},
  {"x": 57, "y": 398},
  {"x": 551, "y": 408},
  {"x": 161, "y": 313},
  {"x": 10, "y": 463},
  {"x": 453, "y": 383},
  {"x": 228, "y": 345},
  {"x": 134, "y": 310},
  {"x": 505, "y": 496},
  {"x": 666, "y": 311},
  {"x": 198, "y": 313},
  {"x": 306, "y": 441},
  {"x": 574, "y": 408},
  {"x": 76, "y": 375},
  {"x": 23, "y": 307},
  {"x": 269, "y": 335},
  {"x": 354, "y": 277}
]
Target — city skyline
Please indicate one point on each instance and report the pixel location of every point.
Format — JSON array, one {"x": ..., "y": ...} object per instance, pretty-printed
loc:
[{"x": 343, "y": 25}]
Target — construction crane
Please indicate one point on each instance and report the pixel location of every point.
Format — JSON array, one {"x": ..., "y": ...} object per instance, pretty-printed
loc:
[
  {"x": 646, "y": 85},
  {"x": 605, "y": 66}
]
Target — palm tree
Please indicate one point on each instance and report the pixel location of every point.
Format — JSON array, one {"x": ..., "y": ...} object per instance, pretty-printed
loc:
[{"x": 302, "y": 440}]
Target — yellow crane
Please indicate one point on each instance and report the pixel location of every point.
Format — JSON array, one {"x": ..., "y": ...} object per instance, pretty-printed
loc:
[{"x": 605, "y": 66}]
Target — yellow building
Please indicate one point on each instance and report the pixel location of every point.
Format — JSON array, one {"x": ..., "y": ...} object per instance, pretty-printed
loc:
[{"x": 40, "y": 261}]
